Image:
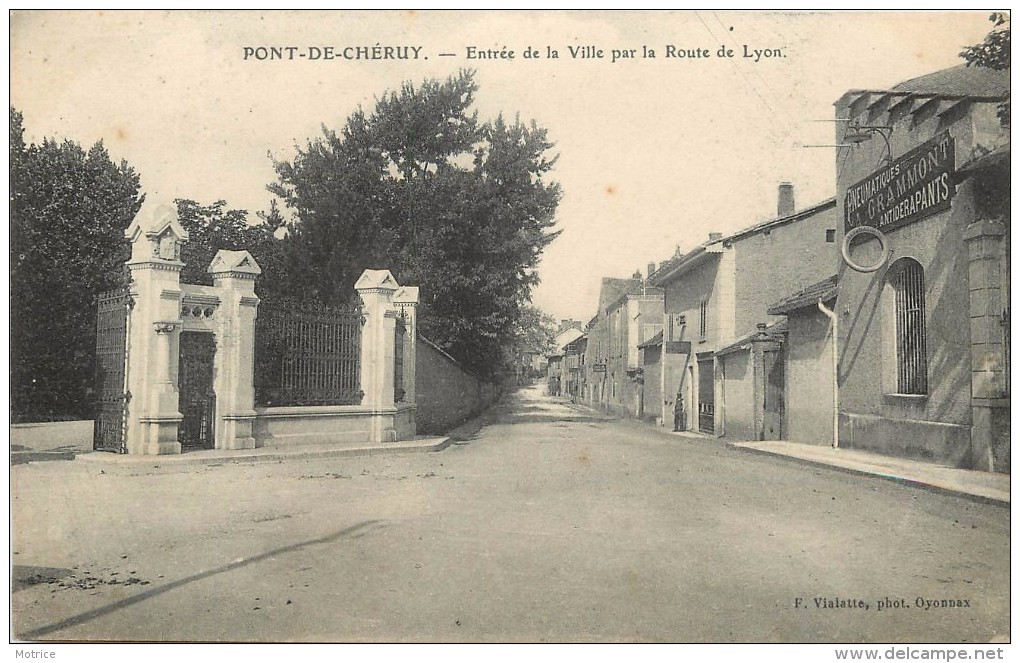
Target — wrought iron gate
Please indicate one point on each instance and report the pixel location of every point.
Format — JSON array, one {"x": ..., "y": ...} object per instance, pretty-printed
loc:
[
  {"x": 197, "y": 398},
  {"x": 398, "y": 361},
  {"x": 112, "y": 396}
]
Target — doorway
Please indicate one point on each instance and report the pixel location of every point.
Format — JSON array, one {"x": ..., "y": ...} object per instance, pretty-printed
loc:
[
  {"x": 197, "y": 398},
  {"x": 706, "y": 395},
  {"x": 774, "y": 402}
]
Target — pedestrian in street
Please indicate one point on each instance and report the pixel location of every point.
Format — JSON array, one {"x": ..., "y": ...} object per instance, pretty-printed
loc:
[{"x": 679, "y": 418}]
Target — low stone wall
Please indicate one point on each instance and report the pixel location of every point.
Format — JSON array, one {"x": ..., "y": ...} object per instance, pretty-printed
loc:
[
  {"x": 48, "y": 436},
  {"x": 928, "y": 441},
  {"x": 447, "y": 393},
  {"x": 336, "y": 425}
]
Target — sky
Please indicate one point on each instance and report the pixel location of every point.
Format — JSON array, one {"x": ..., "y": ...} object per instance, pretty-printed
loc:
[{"x": 654, "y": 153}]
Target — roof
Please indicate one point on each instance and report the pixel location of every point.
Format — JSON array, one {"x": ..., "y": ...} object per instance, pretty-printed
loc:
[
  {"x": 567, "y": 336},
  {"x": 775, "y": 332},
  {"x": 576, "y": 345},
  {"x": 678, "y": 265},
  {"x": 654, "y": 341},
  {"x": 782, "y": 220},
  {"x": 824, "y": 290},
  {"x": 959, "y": 81},
  {"x": 674, "y": 265},
  {"x": 612, "y": 289}
]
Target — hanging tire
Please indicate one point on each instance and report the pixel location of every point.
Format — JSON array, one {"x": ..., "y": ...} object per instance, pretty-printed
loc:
[{"x": 853, "y": 234}]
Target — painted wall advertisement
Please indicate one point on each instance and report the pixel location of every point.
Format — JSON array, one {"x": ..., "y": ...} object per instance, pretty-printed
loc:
[{"x": 915, "y": 186}]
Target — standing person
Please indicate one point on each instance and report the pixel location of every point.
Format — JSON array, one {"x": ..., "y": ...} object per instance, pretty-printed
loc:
[{"x": 679, "y": 417}]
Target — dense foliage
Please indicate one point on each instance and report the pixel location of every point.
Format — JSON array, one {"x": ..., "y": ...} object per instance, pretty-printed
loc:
[
  {"x": 421, "y": 187},
  {"x": 993, "y": 53},
  {"x": 69, "y": 208},
  {"x": 214, "y": 227}
]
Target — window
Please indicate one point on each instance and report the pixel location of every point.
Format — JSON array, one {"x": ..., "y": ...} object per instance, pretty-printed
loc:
[
  {"x": 830, "y": 236},
  {"x": 911, "y": 356},
  {"x": 703, "y": 322}
]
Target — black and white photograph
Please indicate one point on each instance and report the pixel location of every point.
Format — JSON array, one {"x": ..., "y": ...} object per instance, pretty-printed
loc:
[{"x": 493, "y": 327}]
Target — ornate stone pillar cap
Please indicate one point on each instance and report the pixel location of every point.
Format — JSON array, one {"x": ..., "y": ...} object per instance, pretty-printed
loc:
[
  {"x": 162, "y": 233},
  {"x": 406, "y": 294},
  {"x": 153, "y": 221},
  {"x": 376, "y": 279},
  {"x": 984, "y": 228},
  {"x": 237, "y": 263}
]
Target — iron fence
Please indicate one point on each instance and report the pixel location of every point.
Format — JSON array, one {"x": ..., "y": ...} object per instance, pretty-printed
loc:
[
  {"x": 307, "y": 353},
  {"x": 398, "y": 361}
]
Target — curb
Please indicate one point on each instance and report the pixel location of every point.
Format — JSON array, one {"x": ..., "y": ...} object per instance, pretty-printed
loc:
[
  {"x": 214, "y": 457},
  {"x": 905, "y": 481},
  {"x": 22, "y": 457}
]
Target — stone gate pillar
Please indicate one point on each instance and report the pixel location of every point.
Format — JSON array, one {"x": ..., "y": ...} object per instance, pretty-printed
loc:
[
  {"x": 152, "y": 342},
  {"x": 761, "y": 343},
  {"x": 990, "y": 446},
  {"x": 376, "y": 288},
  {"x": 406, "y": 301},
  {"x": 234, "y": 274}
]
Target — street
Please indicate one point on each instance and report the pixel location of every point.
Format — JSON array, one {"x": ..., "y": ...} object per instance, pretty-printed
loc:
[{"x": 549, "y": 523}]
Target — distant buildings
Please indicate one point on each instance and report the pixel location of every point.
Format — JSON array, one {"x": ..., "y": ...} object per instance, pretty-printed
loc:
[
  {"x": 877, "y": 319},
  {"x": 567, "y": 332},
  {"x": 630, "y": 313},
  {"x": 725, "y": 369}
]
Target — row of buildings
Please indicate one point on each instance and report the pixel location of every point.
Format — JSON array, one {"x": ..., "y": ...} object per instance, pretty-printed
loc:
[{"x": 877, "y": 319}]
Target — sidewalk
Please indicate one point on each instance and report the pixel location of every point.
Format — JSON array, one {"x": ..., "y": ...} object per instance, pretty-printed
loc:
[
  {"x": 262, "y": 454},
  {"x": 985, "y": 486}
]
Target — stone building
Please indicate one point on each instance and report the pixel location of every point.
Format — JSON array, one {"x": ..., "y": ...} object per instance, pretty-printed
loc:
[
  {"x": 923, "y": 298},
  {"x": 573, "y": 369},
  {"x": 714, "y": 356},
  {"x": 811, "y": 400},
  {"x": 630, "y": 313}
]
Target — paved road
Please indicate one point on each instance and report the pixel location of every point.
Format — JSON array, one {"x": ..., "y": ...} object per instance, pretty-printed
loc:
[{"x": 548, "y": 524}]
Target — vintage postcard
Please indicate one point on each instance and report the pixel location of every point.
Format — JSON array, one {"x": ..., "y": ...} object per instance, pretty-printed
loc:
[{"x": 426, "y": 326}]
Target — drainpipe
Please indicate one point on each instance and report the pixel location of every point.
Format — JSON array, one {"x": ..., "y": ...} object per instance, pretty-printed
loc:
[{"x": 835, "y": 373}]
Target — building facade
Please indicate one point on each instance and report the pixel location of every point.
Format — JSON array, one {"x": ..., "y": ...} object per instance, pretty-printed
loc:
[
  {"x": 630, "y": 312},
  {"x": 811, "y": 394},
  {"x": 923, "y": 298},
  {"x": 715, "y": 358},
  {"x": 574, "y": 374}
]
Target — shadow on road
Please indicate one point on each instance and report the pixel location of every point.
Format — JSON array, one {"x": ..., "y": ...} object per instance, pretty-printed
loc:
[{"x": 353, "y": 532}]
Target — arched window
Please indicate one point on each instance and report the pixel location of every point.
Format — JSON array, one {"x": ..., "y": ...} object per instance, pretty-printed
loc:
[{"x": 907, "y": 280}]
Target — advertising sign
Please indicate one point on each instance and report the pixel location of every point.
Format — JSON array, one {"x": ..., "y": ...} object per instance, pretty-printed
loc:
[{"x": 915, "y": 186}]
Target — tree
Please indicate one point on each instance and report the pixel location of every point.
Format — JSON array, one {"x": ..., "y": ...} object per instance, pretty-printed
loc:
[
  {"x": 214, "y": 227},
  {"x": 69, "y": 208},
  {"x": 993, "y": 53},
  {"x": 421, "y": 187},
  {"x": 534, "y": 333}
]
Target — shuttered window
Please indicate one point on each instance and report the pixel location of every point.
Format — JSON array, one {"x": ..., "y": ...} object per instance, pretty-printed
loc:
[{"x": 911, "y": 355}]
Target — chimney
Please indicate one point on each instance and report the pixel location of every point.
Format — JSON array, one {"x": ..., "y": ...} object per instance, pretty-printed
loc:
[
  {"x": 637, "y": 274},
  {"x": 786, "y": 204},
  {"x": 651, "y": 269},
  {"x": 713, "y": 237}
]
